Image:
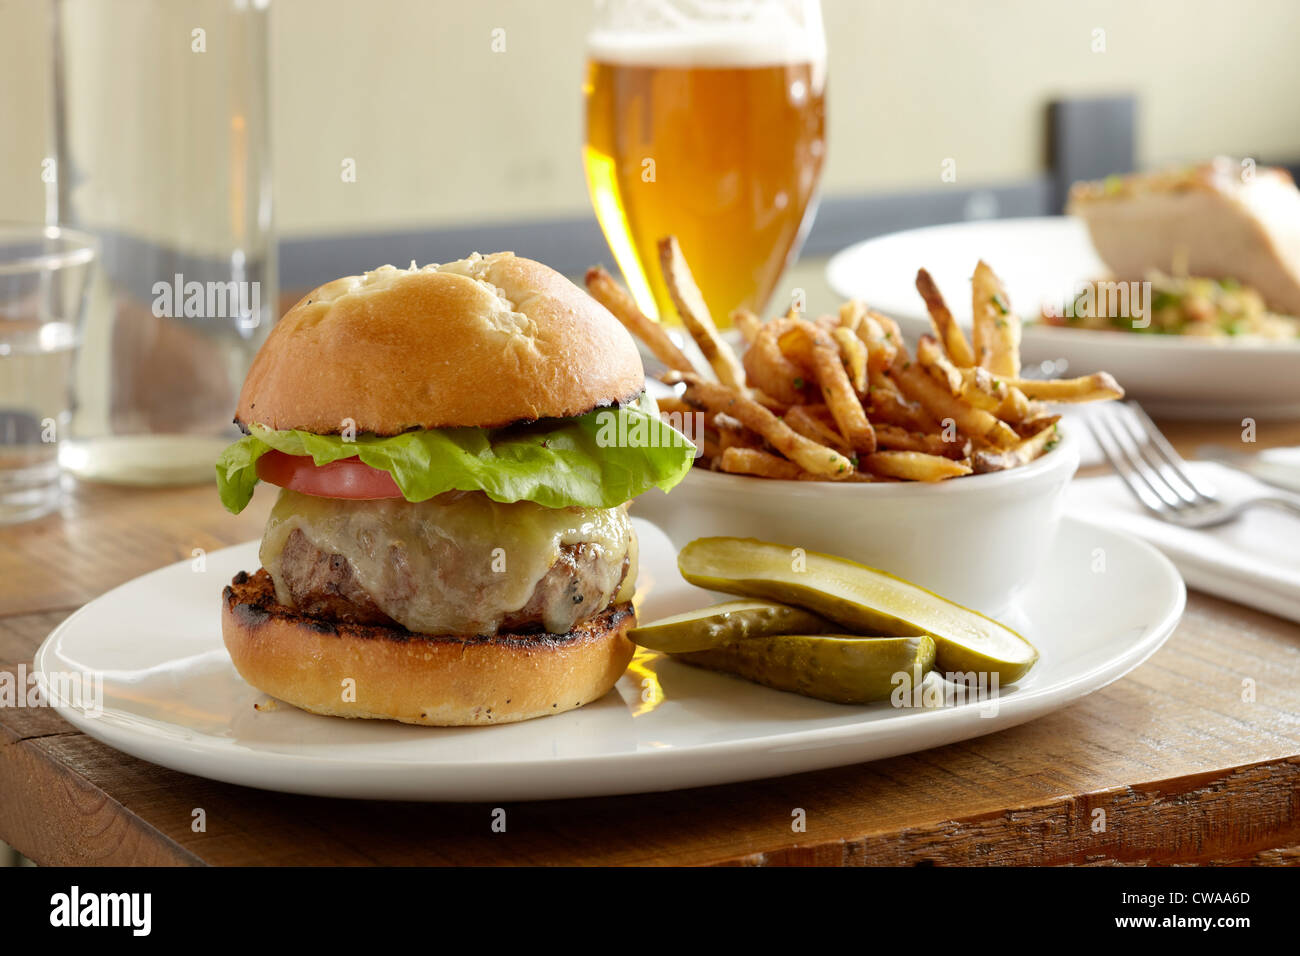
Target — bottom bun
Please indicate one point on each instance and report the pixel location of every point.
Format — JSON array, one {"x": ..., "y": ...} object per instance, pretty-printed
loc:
[{"x": 359, "y": 670}]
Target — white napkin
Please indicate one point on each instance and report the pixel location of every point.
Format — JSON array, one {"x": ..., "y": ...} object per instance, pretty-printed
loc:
[
  {"x": 1254, "y": 560},
  {"x": 1282, "y": 465}
]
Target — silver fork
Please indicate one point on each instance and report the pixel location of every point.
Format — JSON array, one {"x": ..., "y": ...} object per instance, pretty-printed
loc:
[{"x": 1158, "y": 476}]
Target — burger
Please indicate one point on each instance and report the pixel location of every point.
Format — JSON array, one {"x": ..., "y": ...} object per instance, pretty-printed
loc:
[{"x": 455, "y": 447}]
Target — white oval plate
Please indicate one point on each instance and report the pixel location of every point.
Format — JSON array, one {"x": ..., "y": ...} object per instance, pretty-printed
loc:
[
  {"x": 1041, "y": 260},
  {"x": 171, "y": 695}
]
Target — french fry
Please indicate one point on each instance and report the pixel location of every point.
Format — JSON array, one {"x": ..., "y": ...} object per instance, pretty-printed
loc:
[
  {"x": 796, "y": 342},
  {"x": 920, "y": 386},
  {"x": 1032, "y": 426},
  {"x": 893, "y": 334},
  {"x": 747, "y": 324},
  {"x": 852, "y": 313},
  {"x": 695, "y": 314},
  {"x": 854, "y": 353},
  {"x": 827, "y": 323},
  {"x": 809, "y": 455},
  {"x": 889, "y": 405},
  {"x": 897, "y": 438},
  {"x": 683, "y": 415},
  {"x": 820, "y": 412},
  {"x": 768, "y": 368},
  {"x": 1015, "y": 407},
  {"x": 934, "y": 361},
  {"x": 753, "y": 461},
  {"x": 810, "y": 426},
  {"x": 1099, "y": 386},
  {"x": 796, "y": 345},
  {"x": 837, "y": 390},
  {"x": 767, "y": 401},
  {"x": 945, "y": 326},
  {"x": 673, "y": 405},
  {"x": 732, "y": 434},
  {"x": 1021, "y": 453},
  {"x": 605, "y": 290},
  {"x": 982, "y": 389},
  {"x": 880, "y": 350},
  {"x": 996, "y": 325},
  {"x": 914, "y": 466},
  {"x": 709, "y": 448}
]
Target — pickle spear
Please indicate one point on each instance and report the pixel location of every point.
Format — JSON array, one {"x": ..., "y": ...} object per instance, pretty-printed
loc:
[
  {"x": 725, "y": 623},
  {"x": 862, "y": 599},
  {"x": 842, "y": 668}
]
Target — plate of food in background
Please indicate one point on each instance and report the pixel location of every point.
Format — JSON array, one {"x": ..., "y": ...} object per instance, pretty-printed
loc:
[{"x": 1184, "y": 284}]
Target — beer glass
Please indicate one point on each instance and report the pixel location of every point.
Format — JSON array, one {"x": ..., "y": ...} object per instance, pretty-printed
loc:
[{"x": 706, "y": 120}]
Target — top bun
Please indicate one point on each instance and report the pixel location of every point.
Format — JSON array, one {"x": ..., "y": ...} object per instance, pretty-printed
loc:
[{"x": 482, "y": 342}]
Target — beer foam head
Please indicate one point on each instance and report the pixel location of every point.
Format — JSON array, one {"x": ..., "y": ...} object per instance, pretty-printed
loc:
[{"x": 700, "y": 33}]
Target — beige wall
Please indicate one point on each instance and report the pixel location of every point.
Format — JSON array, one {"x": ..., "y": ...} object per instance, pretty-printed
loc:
[
  {"x": 24, "y": 67},
  {"x": 444, "y": 130}
]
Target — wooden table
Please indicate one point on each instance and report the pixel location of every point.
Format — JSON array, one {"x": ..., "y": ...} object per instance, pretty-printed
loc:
[{"x": 1185, "y": 770}]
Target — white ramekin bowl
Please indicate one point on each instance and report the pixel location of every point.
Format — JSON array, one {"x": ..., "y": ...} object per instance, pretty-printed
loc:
[{"x": 976, "y": 540}]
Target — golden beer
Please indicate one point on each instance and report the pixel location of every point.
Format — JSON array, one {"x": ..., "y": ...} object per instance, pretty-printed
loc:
[{"x": 724, "y": 155}]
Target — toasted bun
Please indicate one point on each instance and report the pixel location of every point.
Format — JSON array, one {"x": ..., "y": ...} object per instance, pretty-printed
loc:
[
  {"x": 483, "y": 342},
  {"x": 418, "y": 679}
]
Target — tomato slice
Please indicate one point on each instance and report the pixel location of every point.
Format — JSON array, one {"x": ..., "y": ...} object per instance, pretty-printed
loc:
[{"x": 345, "y": 478}]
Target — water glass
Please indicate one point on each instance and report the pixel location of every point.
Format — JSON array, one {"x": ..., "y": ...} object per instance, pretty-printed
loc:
[{"x": 45, "y": 274}]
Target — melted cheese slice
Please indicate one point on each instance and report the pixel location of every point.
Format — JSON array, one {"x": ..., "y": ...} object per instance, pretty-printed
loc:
[{"x": 457, "y": 563}]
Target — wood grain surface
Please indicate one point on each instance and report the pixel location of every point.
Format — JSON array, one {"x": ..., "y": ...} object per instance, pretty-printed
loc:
[{"x": 1182, "y": 766}]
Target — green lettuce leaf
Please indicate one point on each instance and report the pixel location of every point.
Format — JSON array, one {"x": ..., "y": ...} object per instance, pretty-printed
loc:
[{"x": 597, "y": 460}]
